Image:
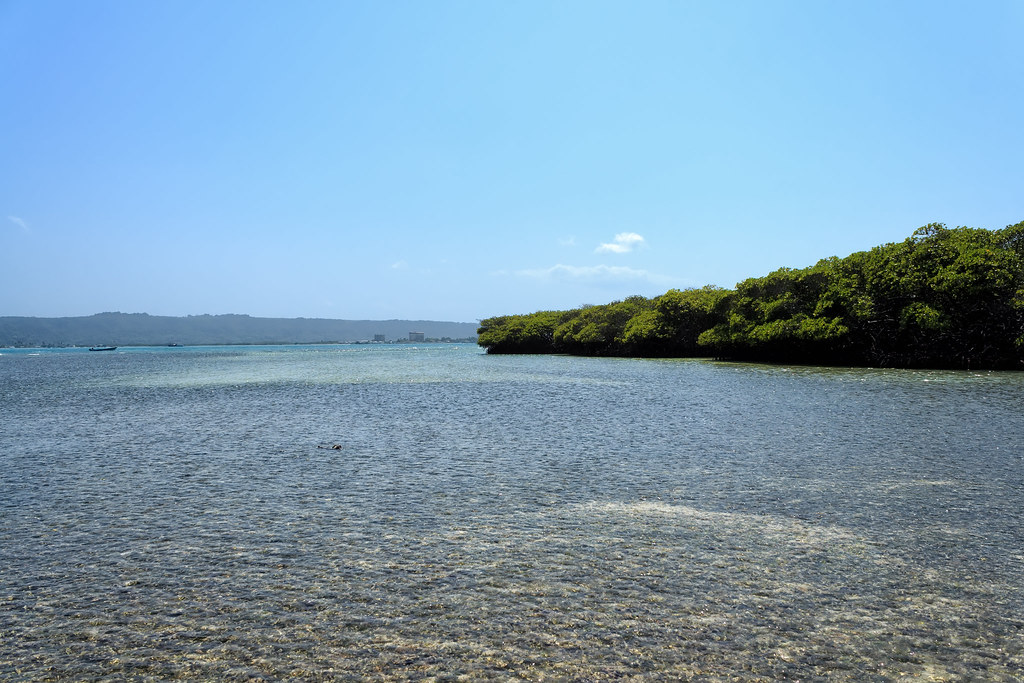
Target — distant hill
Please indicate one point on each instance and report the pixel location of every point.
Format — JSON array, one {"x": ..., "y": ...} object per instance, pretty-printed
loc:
[{"x": 141, "y": 329}]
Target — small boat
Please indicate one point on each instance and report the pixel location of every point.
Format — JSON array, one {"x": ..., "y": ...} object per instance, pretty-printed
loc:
[{"x": 102, "y": 348}]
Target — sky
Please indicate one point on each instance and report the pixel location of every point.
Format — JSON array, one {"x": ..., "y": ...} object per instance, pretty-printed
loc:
[{"x": 456, "y": 160}]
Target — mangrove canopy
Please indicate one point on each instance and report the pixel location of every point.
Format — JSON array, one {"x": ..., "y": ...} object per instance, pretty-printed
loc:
[{"x": 943, "y": 297}]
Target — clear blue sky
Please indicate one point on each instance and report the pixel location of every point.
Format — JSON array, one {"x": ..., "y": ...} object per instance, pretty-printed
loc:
[{"x": 457, "y": 160}]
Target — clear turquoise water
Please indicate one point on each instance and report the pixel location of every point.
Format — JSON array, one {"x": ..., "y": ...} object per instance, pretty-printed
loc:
[{"x": 180, "y": 513}]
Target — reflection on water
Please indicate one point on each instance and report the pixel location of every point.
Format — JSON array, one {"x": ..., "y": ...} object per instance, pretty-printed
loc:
[{"x": 180, "y": 513}]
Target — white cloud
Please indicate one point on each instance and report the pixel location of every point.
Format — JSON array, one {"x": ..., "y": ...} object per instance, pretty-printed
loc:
[
  {"x": 624, "y": 242},
  {"x": 20, "y": 223},
  {"x": 567, "y": 241},
  {"x": 399, "y": 265}
]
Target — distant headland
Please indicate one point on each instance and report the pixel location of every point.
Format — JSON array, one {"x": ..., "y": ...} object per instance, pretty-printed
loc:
[
  {"x": 942, "y": 298},
  {"x": 141, "y": 329}
]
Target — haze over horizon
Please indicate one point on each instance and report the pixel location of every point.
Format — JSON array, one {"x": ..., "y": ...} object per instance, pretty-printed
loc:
[{"x": 457, "y": 160}]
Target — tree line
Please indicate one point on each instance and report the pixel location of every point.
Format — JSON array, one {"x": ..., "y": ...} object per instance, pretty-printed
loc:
[{"x": 942, "y": 298}]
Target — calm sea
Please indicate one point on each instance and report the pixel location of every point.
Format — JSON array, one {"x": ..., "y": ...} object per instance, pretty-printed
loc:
[{"x": 413, "y": 512}]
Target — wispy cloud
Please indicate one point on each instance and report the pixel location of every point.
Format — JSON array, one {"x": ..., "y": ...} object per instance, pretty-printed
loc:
[
  {"x": 415, "y": 268},
  {"x": 567, "y": 241},
  {"x": 623, "y": 242},
  {"x": 20, "y": 223},
  {"x": 593, "y": 274}
]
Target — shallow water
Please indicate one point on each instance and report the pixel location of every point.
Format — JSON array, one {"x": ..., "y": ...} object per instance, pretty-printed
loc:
[{"x": 182, "y": 513}]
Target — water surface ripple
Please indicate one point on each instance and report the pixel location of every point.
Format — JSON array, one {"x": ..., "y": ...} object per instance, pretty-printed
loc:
[{"x": 181, "y": 513}]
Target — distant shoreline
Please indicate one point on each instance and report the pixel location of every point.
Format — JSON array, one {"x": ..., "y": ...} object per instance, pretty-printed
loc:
[
  {"x": 397, "y": 342},
  {"x": 141, "y": 329}
]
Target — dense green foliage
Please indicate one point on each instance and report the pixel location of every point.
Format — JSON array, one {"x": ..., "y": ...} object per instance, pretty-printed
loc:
[{"x": 941, "y": 298}]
